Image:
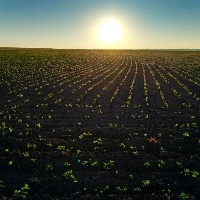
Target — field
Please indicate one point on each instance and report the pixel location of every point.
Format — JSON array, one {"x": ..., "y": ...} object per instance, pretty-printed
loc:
[{"x": 99, "y": 124}]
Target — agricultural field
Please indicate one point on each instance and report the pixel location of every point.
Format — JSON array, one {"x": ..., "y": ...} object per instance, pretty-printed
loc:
[{"x": 99, "y": 124}]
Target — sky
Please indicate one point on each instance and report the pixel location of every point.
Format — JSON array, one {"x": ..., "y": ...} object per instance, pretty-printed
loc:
[{"x": 75, "y": 24}]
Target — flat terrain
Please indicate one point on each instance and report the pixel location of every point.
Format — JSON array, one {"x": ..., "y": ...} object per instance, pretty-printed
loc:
[{"x": 99, "y": 124}]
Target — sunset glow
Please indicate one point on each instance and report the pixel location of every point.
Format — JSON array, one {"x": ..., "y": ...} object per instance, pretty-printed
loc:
[
  {"x": 110, "y": 31},
  {"x": 110, "y": 24}
]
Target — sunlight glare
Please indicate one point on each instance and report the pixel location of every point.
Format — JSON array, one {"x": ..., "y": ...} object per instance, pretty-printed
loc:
[{"x": 110, "y": 31}]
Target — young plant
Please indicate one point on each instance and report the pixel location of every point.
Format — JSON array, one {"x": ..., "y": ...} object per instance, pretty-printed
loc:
[
  {"x": 137, "y": 189},
  {"x": 184, "y": 196},
  {"x": 147, "y": 164},
  {"x": 1, "y": 185},
  {"x": 145, "y": 183},
  {"x": 98, "y": 141},
  {"x": 31, "y": 145},
  {"x": 122, "y": 145},
  {"x": 108, "y": 165},
  {"x": 179, "y": 164},
  {"x": 186, "y": 134},
  {"x": 26, "y": 154},
  {"x": 95, "y": 163},
  {"x": 49, "y": 167},
  {"x": 66, "y": 164},
  {"x": 152, "y": 140},
  {"x": 10, "y": 163},
  {"x": 106, "y": 188},
  {"x": 161, "y": 163},
  {"x": 21, "y": 193},
  {"x": 34, "y": 160},
  {"x": 69, "y": 175},
  {"x": 38, "y": 125},
  {"x": 3, "y": 127},
  {"x": 195, "y": 174},
  {"x": 131, "y": 176},
  {"x": 61, "y": 148},
  {"x": 85, "y": 163},
  {"x": 135, "y": 153},
  {"x": 122, "y": 189}
]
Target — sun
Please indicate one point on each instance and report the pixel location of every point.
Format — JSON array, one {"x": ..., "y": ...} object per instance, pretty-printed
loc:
[{"x": 110, "y": 31}]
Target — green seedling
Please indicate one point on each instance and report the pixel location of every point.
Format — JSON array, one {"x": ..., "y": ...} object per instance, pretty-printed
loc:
[
  {"x": 106, "y": 188},
  {"x": 147, "y": 164},
  {"x": 131, "y": 176},
  {"x": 21, "y": 193},
  {"x": 49, "y": 167},
  {"x": 184, "y": 196},
  {"x": 31, "y": 146},
  {"x": 195, "y": 174},
  {"x": 121, "y": 189},
  {"x": 122, "y": 145},
  {"x": 161, "y": 163},
  {"x": 10, "y": 163},
  {"x": 69, "y": 175},
  {"x": 26, "y": 154},
  {"x": 1, "y": 185},
  {"x": 186, "y": 134},
  {"x": 34, "y": 160},
  {"x": 145, "y": 183},
  {"x": 3, "y": 127},
  {"x": 98, "y": 141},
  {"x": 61, "y": 148},
  {"x": 179, "y": 164},
  {"x": 66, "y": 164},
  {"x": 135, "y": 153},
  {"x": 95, "y": 163},
  {"x": 108, "y": 165},
  {"x": 137, "y": 189}
]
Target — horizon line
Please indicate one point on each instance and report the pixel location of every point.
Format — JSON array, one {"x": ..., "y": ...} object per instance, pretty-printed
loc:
[{"x": 183, "y": 49}]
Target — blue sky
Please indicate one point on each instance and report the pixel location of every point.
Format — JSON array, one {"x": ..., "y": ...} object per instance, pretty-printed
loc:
[{"x": 75, "y": 23}]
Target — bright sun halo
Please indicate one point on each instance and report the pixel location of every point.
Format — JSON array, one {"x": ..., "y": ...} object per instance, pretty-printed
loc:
[{"x": 110, "y": 31}]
